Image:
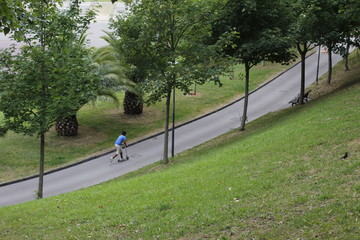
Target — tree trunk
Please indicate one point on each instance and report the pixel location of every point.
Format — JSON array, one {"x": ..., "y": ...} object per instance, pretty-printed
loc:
[
  {"x": 330, "y": 65},
  {"x": 173, "y": 126},
  {"x": 39, "y": 193},
  {"x": 318, "y": 66},
  {"x": 347, "y": 56},
  {"x": 166, "y": 132},
  {"x": 246, "y": 99},
  {"x": 67, "y": 127},
  {"x": 302, "y": 77},
  {"x": 302, "y": 85},
  {"x": 41, "y": 167},
  {"x": 133, "y": 104}
]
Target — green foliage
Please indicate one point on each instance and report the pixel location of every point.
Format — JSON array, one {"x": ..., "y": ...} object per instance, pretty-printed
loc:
[
  {"x": 39, "y": 87},
  {"x": 349, "y": 24},
  {"x": 329, "y": 22},
  {"x": 302, "y": 32},
  {"x": 8, "y": 15},
  {"x": 14, "y": 15},
  {"x": 54, "y": 28},
  {"x": 166, "y": 41},
  {"x": 335, "y": 25},
  {"x": 127, "y": 39},
  {"x": 112, "y": 67},
  {"x": 303, "y": 23},
  {"x": 52, "y": 76},
  {"x": 261, "y": 30},
  {"x": 258, "y": 32},
  {"x": 3, "y": 131},
  {"x": 51, "y": 79}
]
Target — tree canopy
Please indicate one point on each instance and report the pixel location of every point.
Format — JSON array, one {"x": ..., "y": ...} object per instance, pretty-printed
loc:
[
  {"x": 52, "y": 75},
  {"x": 260, "y": 28},
  {"x": 14, "y": 14},
  {"x": 303, "y": 33},
  {"x": 167, "y": 39}
]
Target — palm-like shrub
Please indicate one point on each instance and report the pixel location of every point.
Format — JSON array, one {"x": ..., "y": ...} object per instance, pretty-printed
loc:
[{"x": 118, "y": 75}]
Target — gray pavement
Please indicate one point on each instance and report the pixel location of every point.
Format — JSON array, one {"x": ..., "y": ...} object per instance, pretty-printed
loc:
[{"x": 271, "y": 97}]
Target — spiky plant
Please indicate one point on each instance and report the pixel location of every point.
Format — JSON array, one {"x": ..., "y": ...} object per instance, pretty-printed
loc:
[{"x": 115, "y": 70}]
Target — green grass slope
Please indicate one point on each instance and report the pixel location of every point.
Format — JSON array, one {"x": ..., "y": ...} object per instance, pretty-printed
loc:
[
  {"x": 101, "y": 124},
  {"x": 281, "y": 179}
]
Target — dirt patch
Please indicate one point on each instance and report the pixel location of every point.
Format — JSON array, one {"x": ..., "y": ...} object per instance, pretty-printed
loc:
[
  {"x": 149, "y": 115},
  {"x": 337, "y": 82},
  {"x": 197, "y": 95},
  {"x": 86, "y": 136}
]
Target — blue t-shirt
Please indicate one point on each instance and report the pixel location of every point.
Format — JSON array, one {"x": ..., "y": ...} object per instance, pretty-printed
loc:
[{"x": 120, "y": 140}]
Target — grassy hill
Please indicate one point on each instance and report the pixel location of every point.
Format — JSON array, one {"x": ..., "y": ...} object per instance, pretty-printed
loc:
[
  {"x": 281, "y": 179},
  {"x": 101, "y": 124}
]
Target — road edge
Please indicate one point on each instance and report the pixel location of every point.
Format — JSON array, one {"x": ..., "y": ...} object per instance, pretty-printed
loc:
[{"x": 152, "y": 136}]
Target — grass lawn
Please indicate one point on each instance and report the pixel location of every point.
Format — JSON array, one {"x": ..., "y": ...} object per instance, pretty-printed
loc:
[
  {"x": 102, "y": 123},
  {"x": 281, "y": 179}
]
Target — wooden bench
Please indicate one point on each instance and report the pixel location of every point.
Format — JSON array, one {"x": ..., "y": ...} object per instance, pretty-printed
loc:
[
  {"x": 296, "y": 100},
  {"x": 306, "y": 95}
]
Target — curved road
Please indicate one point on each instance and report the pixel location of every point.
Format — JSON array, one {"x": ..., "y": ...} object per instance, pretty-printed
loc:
[{"x": 272, "y": 96}]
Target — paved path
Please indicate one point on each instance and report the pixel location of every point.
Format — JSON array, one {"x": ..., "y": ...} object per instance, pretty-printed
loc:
[{"x": 273, "y": 96}]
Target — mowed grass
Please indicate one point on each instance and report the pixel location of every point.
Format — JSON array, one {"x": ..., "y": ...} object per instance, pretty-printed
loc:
[
  {"x": 100, "y": 124},
  {"x": 280, "y": 179}
]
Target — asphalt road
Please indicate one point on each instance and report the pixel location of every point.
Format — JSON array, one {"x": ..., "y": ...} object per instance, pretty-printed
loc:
[{"x": 273, "y": 96}]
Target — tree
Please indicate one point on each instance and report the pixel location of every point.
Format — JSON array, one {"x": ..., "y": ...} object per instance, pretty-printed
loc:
[
  {"x": 303, "y": 33},
  {"x": 330, "y": 17},
  {"x": 119, "y": 59},
  {"x": 11, "y": 11},
  {"x": 127, "y": 33},
  {"x": 49, "y": 79},
  {"x": 70, "y": 25},
  {"x": 261, "y": 27},
  {"x": 169, "y": 39},
  {"x": 14, "y": 14},
  {"x": 309, "y": 25},
  {"x": 349, "y": 25}
]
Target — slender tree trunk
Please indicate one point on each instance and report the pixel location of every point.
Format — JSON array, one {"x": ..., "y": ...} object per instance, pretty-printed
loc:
[
  {"x": 347, "y": 55},
  {"x": 42, "y": 111},
  {"x": 41, "y": 167},
  {"x": 302, "y": 84},
  {"x": 330, "y": 65},
  {"x": 246, "y": 99},
  {"x": 302, "y": 52},
  {"x": 40, "y": 191},
  {"x": 173, "y": 126},
  {"x": 166, "y": 132},
  {"x": 317, "y": 68}
]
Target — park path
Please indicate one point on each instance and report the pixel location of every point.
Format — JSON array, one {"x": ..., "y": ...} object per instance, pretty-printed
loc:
[{"x": 272, "y": 96}]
